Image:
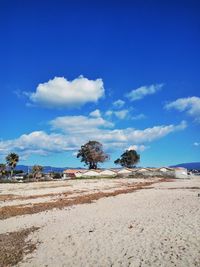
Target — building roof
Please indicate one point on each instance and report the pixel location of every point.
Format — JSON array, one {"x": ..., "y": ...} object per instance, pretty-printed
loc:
[
  {"x": 142, "y": 168},
  {"x": 72, "y": 171},
  {"x": 93, "y": 170},
  {"x": 167, "y": 168},
  {"x": 110, "y": 170}
]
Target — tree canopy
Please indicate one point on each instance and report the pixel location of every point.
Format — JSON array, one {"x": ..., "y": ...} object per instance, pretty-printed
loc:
[
  {"x": 128, "y": 159},
  {"x": 12, "y": 160},
  {"x": 92, "y": 153},
  {"x": 36, "y": 170}
]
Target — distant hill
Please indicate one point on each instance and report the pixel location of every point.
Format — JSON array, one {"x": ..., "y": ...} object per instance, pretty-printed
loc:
[
  {"x": 25, "y": 168},
  {"x": 189, "y": 166}
]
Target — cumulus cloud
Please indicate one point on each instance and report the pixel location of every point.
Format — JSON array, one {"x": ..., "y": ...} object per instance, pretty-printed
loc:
[
  {"x": 142, "y": 91},
  {"x": 120, "y": 114},
  {"x": 38, "y": 142},
  {"x": 118, "y": 103},
  {"x": 96, "y": 113},
  {"x": 131, "y": 135},
  {"x": 124, "y": 114},
  {"x": 70, "y": 132},
  {"x": 191, "y": 105},
  {"x": 79, "y": 124},
  {"x": 85, "y": 128},
  {"x": 60, "y": 92}
]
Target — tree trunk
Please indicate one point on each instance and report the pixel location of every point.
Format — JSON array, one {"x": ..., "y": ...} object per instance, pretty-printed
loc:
[
  {"x": 93, "y": 166},
  {"x": 11, "y": 172}
]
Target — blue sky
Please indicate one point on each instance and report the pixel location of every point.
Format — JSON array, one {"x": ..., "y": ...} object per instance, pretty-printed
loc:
[{"x": 125, "y": 73}]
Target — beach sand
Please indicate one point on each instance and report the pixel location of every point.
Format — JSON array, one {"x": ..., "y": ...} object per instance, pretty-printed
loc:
[{"x": 159, "y": 226}]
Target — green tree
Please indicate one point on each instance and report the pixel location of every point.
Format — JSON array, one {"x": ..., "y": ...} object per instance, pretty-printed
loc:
[
  {"x": 128, "y": 159},
  {"x": 92, "y": 153},
  {"x": 36, "y": 170},
  {"x": 2, "y": 169},
  {"x": 12, "y": 160}
]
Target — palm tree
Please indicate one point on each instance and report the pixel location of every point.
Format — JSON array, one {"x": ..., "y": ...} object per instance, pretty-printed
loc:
[
  {"x": 12, "y": 160},
  {"x": 2, "y": 169}
]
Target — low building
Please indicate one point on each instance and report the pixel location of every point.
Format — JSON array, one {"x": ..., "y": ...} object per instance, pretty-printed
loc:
[
  {"x": 165, "y": 169},
  {"x": 79, "y": 174},
  {"x": 125, "y": 171},
  {"x": 71, "y": 173},
  {"x": 91, "y": 173},
  {"x": 110, "y": 173},
  {"x": 19, "y": 176},
  {"x": 181, "y": 173},
  {"x": 141, "y": 170}
]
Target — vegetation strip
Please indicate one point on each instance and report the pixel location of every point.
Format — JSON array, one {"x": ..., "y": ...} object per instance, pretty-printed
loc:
[
  {"x": 13, "y": 246},
  {"x": 10, "y": 211},
  {"x": 10, "y": 197},
  {"x": 192, "y": 187}
]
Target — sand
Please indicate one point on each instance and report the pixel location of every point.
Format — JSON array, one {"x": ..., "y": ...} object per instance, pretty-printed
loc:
[{"x": 155, "y": 227}]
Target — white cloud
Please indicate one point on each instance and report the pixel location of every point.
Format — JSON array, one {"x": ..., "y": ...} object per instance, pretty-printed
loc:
[
  {"x": 140, "y": 148},
  {"x": 142, "y": 91},
  {"x": 120, "y": 114},
  {"x": 38, "y": 142},
  {"x": 79, "y": 124},
  {"x": 119, "y": 103},
  {"x": 191, "y": 105},
  {"x": 196, "y": 144},
  {"x": 96, "y": 113},
  {"x": 76, "y": 130},
  {"x": 138, "y": 117},
  {"x": 124, "y": 114},
  {"x": 109, "y": 113},
  {"x": 130, "y": 135},
  {"x": 84, "y": 129},
  {"x": 60, "y": 92}
]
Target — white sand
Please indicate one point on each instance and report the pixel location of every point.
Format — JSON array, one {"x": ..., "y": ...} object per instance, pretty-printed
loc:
[
  {"x": 150, "y": 227},
  {"x": 74, "y": 187}
]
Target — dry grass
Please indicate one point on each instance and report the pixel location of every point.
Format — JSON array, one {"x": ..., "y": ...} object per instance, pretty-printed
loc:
[
  {"x": 13, "y": 246},
  {"x": 10, "y": 211},
  {"x": 7, "y": 197},
  {"x": 192, "y": 187}
]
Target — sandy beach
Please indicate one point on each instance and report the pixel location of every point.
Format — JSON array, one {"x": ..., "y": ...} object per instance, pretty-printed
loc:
[{"x": 156, "y": 225}]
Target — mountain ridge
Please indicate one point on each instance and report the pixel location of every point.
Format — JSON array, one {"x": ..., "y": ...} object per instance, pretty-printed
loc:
[
  {"x": 189, "y": 165},
  {"x": 25, "y": 168}
]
